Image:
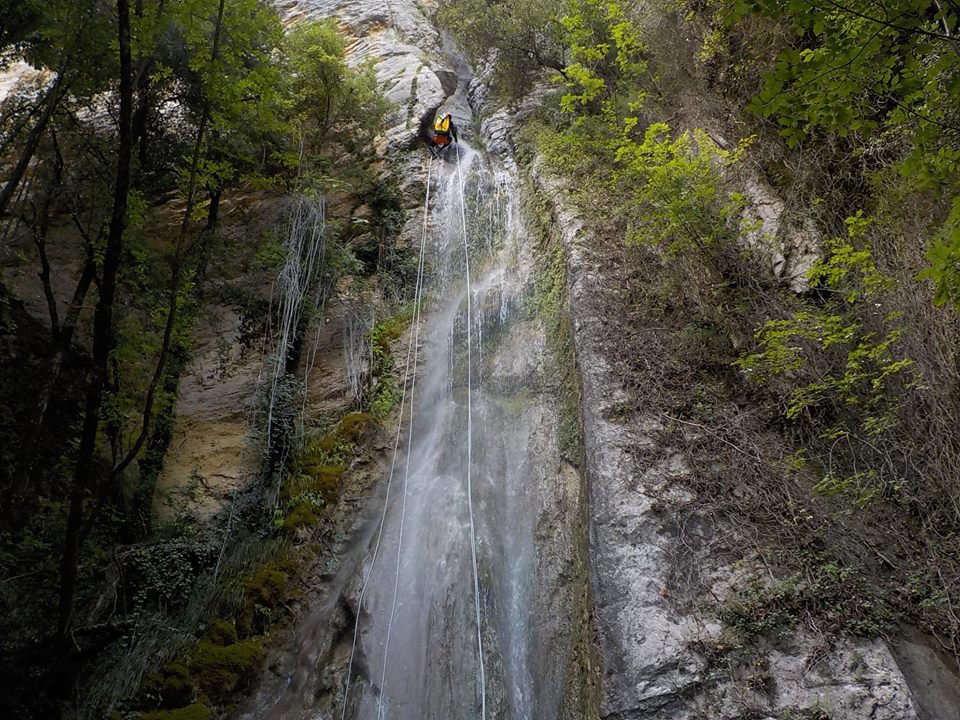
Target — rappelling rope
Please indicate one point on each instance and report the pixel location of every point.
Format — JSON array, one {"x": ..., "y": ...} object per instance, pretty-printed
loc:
[
  {"x": 406, "y": 472},
  {"x": 411, "y": 350},
  {"x": 473, "y": 532}
]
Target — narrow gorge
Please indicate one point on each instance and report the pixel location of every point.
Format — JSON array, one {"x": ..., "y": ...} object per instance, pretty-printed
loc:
[
  {"x": 592, "y": 582},
  {"x": 466, "y": 590},
  {"x": 512, "y": 431}
]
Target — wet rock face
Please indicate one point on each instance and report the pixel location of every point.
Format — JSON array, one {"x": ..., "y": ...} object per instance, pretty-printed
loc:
[
  {"x": 642, "y": 643},
  {"x": 407, "y": 54},
  {"x": 648, "y": 645},
  {"x": 528, "y": 499}
]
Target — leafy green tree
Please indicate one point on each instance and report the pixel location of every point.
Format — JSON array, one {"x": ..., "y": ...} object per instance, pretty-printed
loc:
[
  {"x": 523, "y": 37},
  {"x": 675, "y": 187},
  {"x": 251, "y": 104},
  {"x": 22, "y": 18},
  {"x": 851, "y": 377},
  {"x": 594, "y": 47},
  {"x": 84, "y": 473},
  {"x": 235, "y": 98},
  {"x": 329, "y": 101},
  {"x": 944, "y": 256},
  {"x": 670, "y": 190},
  {"x": 883, "y": 74},
  {"x": 229, "y": 77},
  {"x": 607, "y": 66},
  {"x": 854, "y": 67}
]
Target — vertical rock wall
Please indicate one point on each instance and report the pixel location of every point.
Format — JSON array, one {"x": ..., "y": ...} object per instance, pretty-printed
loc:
[{"x": 652, "y": 650}]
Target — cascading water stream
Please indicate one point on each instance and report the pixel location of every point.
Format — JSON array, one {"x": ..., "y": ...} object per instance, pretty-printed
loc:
[
  {"x": 454, "y": 605},
  {"x": 437, "y": 484},
  {"x": 473, "y": 528},
  {"x": 459, "y": 590}
]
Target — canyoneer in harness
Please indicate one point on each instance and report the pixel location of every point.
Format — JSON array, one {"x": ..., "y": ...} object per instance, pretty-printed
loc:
[{"x": 444, "y": 133}]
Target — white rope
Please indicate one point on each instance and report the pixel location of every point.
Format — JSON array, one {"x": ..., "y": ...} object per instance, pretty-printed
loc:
[
  {"x": 473, "y": 532},
  {"x": 319, "y": 302},
  {"x": 306, "y": 252},
  {"x": 411, "y": 349},
  {"x": 406, "y": 473}
]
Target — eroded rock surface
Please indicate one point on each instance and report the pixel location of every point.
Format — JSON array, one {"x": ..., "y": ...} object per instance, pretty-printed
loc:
[
  {"x": 404, "y": 48},
  {"x": 790, "y": 242},
  {"x": 650, "y": 647},
  {"x": 210, "y": 455}
]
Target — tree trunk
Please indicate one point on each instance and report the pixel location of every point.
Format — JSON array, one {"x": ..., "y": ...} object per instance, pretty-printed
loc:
[
  {"x": 102, "y": 334},
  {"x": 177, "y": 271},
  {"x": 40, "y": 231},
  {"x": 62, "y": 346},
  {"x": 33, "y": 436},
  {"x": 213, "y": 211},
  {"x": 143, "y": 87},
  {"x": 141, "y": 116}
]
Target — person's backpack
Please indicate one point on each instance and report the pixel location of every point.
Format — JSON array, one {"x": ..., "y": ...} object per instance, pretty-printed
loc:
[{"x": 442, "y": 125}]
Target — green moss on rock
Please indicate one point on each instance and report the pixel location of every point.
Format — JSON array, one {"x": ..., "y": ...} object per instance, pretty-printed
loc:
[
  {"x": 325, "y": 480},
  {"x": 172, "y": 687},
  {"x": 197, "y": 711},
  {"x": 263, "y": 592},
  {"x": 302, "y": 515},
  {"x": 222, "y": 632},
  {"x": 220, "y": 670},
  {"x": 354, "y": 425},
  {"x": 266, "y": 587}
]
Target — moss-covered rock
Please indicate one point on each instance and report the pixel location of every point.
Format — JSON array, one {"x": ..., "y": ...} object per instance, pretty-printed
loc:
[
  {"x": 267, "y": 586},
  {"x": 263, "y": 592},
  {"x": 172, "y": 687},
  {"x": 319, "y": 477},
  {"x": 318, "y": 470},
  {"x": 220, "y": 670},
  {"x": 355, "y": 424},
  {"x": 385, "y": 391},
  {"x": 326, "y": 445},
  {"x": 197, "y": 711},
  {"x": 222, "y": 632},
  {"x": 325, "y": 480},
  {"x": 301, "y": 516}
]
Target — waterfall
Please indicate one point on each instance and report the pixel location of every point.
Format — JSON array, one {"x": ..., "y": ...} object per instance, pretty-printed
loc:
[
  {"x": 425, "y": 599},
  {"x": 460, "y": 580}
]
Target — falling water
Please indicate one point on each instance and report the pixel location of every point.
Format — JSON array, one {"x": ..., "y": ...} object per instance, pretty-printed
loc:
[
  {"x": 420, "y": 651},
  {"x": 480, "y": 428}
]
